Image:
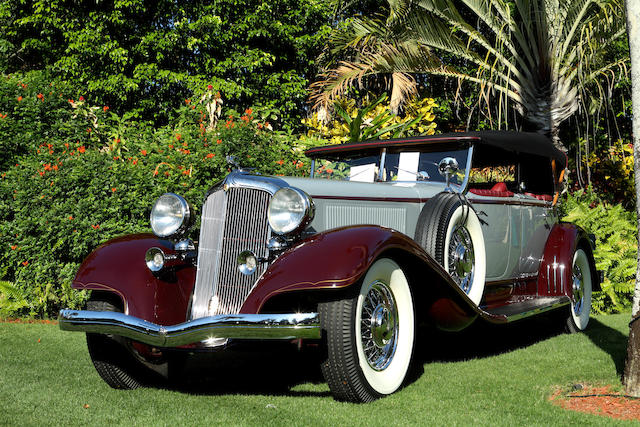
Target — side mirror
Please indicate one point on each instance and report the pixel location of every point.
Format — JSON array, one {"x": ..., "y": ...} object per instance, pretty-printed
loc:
[{"x": 447, "y": 167}]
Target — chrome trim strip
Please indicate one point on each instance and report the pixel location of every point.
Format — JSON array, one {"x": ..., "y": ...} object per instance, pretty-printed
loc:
[
  {"x": 258, "y": 182},
  {"x": 248, "y": 326}
]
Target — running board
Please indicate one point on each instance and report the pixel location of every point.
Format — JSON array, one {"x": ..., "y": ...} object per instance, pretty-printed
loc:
[{"x": 520, "y": 310}]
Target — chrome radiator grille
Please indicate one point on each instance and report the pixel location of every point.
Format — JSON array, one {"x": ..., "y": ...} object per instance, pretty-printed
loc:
[{"x": 232, "y": 222}]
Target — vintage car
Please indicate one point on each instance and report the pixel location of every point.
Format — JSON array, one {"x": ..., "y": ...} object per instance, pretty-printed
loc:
[{"x": 442, "y": 229}]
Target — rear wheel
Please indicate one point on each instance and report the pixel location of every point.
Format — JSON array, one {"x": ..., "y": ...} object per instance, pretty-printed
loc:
[
  {"x": 370, "y": 336},
  {"x": 114, "y": 357},
  {"x": 582, "y": 286}
]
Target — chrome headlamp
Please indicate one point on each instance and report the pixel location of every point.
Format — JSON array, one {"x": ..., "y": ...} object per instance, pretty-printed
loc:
[
  {"x": 290, "y": 210},
  {"x": 171, "y": 215}
]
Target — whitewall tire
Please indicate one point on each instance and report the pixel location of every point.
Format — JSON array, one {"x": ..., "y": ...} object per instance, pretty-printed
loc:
[{"x": 370, "y": 336}]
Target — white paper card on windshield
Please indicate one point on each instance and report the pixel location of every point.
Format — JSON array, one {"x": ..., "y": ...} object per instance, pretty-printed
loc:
[
  {"x": 364, "y": 173},
  {"x": 408, "y": 166}
]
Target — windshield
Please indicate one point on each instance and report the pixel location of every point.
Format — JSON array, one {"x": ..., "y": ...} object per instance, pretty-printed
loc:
[{"x": 406, "y": 166}]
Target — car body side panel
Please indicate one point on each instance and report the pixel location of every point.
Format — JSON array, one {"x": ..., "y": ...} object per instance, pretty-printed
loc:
[
  {"x": 537, "y": 222},
  {"x": 498, "y": 232},
  {"x": 118, "y": 267}
]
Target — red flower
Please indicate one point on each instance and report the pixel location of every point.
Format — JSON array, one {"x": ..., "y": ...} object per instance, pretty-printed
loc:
[
  {"x": 66, "y": 144},
  {"x": 71, "y": 101},
  {"x": 280, "y": 162},
  {"x": 81, "y": 149},
  {"x": 218, "y": 141},
  {"x": 210, "y": 155},
  {"x": 155, "y": 172},
  {"x": 170, "y": 145},
  {"x": 135, "y": 161},
  {"x": 178, "y": 137},
  {"x": 40, "y": 97},
  {"x": 186, "y": 152},
  {"x": 209, "y": 87},
  {"x": 95, "y": 227},
  {"x": 41, "y": 173},
  {"x": 47, "y": 167},
  {"x": 19, "y": 98},
  {"x": 88, "y": 130},
  {"x": 166, "y": 173},
  {"x": 25, "y": 263},
  {"x": 70, "y": 218},
  {"x": 187, "y": 101},
  {"x": 185, "y": 172},
  {"x": 143, "y": 152},
  {"x": 105, "y": 108},
  {"x": 248, "y": 111},
  {"x": 55, "y": 167},
  {"x": 81, "y": 99},
  {"x": 329, "y": 170},
  {"x": 14, "y": 247},
  {"x": 114, "y": 189},
  {"x": 245, "y": 118}
]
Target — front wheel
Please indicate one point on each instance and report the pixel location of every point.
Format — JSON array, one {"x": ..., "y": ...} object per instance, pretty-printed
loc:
[
  {"x": 582, "y": 286},
  {"x": 370, "y": 336},
  {"x": 114, "y": 357}
]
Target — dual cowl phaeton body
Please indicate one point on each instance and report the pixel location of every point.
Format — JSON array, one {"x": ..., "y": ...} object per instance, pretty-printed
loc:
[{"x": 446, "y": 229}]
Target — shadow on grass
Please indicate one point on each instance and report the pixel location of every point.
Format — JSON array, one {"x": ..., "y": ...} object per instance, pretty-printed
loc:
[
  {"x": 274, "y": 368},
  {"x": 609, "y": 340},
  {"x": 483, "y": 339},
  {"x": 260, "y": 368}
]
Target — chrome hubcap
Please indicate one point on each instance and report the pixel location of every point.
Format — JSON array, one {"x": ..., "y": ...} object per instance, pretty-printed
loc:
[
  {"x": 461, "y": 258},
  {"x": 578, "y": 289},
  {"x": 379, "y": 326}
]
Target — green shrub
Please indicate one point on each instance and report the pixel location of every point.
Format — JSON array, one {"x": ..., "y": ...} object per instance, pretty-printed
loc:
[
  {"x": 95, "y": 175},
  {"x": 616, "y": 247}
]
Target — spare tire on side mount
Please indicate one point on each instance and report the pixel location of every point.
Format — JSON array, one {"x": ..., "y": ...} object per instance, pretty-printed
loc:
[{"x": 449, "y": 230}]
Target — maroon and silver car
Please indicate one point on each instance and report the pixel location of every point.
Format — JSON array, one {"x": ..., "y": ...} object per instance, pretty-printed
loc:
[{"x": 445, "y": 229}]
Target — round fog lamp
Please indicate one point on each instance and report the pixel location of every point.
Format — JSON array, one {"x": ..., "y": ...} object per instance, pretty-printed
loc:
[
  {"x": 247, "y": 263},
  {"x": 154, "y": 259}
]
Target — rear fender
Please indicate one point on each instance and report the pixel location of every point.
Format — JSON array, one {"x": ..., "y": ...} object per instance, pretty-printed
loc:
[
  {"x": 118, "y": 267},
  {"x": 337, "y": 259},
  {"x": 554, "y": 276}
]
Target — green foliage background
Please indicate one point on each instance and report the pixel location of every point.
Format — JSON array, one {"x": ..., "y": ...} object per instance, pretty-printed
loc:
[
  {"x": 616, "y": 247},
  {"x": 85, "y": 175},
  {"x": 134, "y": 55}
]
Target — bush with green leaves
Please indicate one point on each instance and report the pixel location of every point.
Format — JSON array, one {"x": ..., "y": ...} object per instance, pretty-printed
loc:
[
  {"x": 616, "y": 247},
  {"x": 96, "y": 177}
]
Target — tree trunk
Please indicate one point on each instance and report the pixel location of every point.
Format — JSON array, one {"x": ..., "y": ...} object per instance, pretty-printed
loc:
[{"x": 631, "y": 377}]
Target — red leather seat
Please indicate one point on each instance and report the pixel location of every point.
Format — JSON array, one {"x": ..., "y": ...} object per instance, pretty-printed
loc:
[
  {"x": 545, "y": 197},
  {"x": 498, "y": 190}
]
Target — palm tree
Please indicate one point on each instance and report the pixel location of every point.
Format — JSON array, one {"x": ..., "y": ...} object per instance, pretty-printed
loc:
[{"x": 541, "y": 57}]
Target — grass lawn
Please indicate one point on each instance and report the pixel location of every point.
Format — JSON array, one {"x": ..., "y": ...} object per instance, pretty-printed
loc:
[{"x": 486, "y": 376}]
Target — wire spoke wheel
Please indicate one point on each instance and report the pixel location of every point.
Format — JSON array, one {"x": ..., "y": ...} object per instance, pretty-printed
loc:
[
  {"x": 379, "y": 326},
  {"x": 461, "y": 258}
]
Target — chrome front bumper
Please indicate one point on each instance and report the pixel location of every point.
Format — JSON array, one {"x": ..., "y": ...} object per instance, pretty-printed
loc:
[{"x": 248, "y": 326}]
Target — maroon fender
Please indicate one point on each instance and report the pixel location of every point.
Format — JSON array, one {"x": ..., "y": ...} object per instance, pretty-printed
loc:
[
  {"x": 118, "y": 267},
  {"x": 554, "y": 276},
  {"x": 338, "y": 258}
]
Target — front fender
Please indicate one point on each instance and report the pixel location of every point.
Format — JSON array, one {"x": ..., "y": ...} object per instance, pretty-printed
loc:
[
  {"x": 338, "y": 258},
  {"x": 118, "y": 267}
]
